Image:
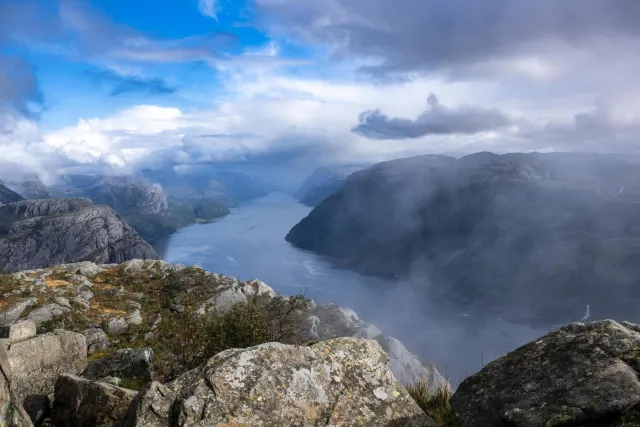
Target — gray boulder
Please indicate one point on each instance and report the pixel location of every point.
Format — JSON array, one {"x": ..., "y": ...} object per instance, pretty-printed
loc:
[
  {"x": 581, "y": 374},
  {"x": 151, "y": 407},
  {"x": 79, "y": 402},
  {"x": 135, "y": 364},
  {"x": 13, "y": 312},
  {"x": 343, "y": 382},
  {"x": 12, "y": 414},
  {"x": 37, "y": 362},
  {"x": 18, "y": 331},
  {"x": 48, "y": 312},
  {"x": 96, "y": 340},
  {"x": 42, "y": 233}
]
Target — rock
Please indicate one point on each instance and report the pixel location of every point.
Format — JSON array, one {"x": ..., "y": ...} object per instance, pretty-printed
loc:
[
  {"x": 126, "y": 363},
  {"x": 8, "y": 196},
  {"x": 581, "y": 374},
  {"x": 47, "y": 312},
  {"x": 86, "y": 269},
  {"x": 64, "y": 302},
  {"x": 117, "y": 325},
  {"x": 18, "y": 331},
  {"x": 41, "y": 233},
  {"x": 79, "y": 402},
  {"x": 134, "y": 318},
  {"x": 112, "y": 380},
  {"x": 81, "y": 302},
  {"x": 12, "y": 414},
  {"x": 96, "y": 340},
  {"x": 37, "y": 362},
  {"x": 13, "y": 313},
  {"x": 151, "y": 407},
  {"x": 338, "y": 382}
]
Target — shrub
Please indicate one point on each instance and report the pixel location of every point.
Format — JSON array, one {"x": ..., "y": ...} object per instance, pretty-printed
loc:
[
  {"x": 435, "y": 404},
  {"x": 188, "y": 338}
]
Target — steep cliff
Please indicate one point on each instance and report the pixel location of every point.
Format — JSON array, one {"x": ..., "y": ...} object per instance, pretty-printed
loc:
[
  {"x": 324, "y": 182},
  {"x": 537, "y": 235},
  {"x": 42, "y": 233},
  {"x": 8, "y": 196}
]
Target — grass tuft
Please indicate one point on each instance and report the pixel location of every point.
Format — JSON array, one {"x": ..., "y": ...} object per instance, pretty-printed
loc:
[{"x": 435, "y": 404}]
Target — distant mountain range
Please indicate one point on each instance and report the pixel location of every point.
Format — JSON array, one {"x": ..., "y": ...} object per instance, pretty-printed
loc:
[{"x": 535, "y": 236}]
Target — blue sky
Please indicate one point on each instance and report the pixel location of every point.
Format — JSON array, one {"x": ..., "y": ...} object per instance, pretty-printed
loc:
[{"x": 114, "y": 86}]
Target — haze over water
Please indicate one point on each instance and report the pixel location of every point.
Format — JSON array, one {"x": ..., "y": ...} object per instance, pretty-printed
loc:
[{"x": 249, "y": 243}]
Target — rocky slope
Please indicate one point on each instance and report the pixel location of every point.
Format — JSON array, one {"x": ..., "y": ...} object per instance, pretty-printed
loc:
[
  {"x": 8, "y": 196},
  {"x": 323, "y": 183},
  {"x": 42, "y": 233},
  {"x": 538, "y": 236},
  {"x": 125, "y": 301},
  {"x": 142, "y": 204},
  {"x": 29, "y": 187}
]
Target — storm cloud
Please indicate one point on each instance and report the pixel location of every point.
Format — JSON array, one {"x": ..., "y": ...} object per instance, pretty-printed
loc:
[
  {"x": 435, "y": 120},
  {"x": 426, "y": 36}
]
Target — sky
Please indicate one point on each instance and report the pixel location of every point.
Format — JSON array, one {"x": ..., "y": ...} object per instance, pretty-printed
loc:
[{"x": 114, "y": 86}]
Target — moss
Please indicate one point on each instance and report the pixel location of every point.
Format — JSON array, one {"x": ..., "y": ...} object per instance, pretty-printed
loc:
[
  {"x": 133, "y": 383},
  {"x": 559, "y": 420}
]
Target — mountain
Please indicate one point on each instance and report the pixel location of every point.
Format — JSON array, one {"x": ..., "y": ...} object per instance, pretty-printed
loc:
[
  {"x": 141, "y": 203},
  {"x": 29, "y": 187},
  {"x": 42, "y": 233},
  {"x": 7, "y": 195},
  {"x": 534, "y": 237},
  {"x": 225, "y": 187},
  {"x": 324, "y": 182}
]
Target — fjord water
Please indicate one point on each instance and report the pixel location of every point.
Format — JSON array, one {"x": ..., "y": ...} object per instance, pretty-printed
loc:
[{"x": 249, "y": 243}]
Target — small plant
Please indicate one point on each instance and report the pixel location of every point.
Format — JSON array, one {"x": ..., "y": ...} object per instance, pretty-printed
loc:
[{"x": 435, "y": 404}]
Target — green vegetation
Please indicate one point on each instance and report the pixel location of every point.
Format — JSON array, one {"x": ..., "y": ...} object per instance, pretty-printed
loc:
[
  {"x": 187, "y": 339},
  {"x": 209, "y": 209},
  {"x": 435, "y": 404}
]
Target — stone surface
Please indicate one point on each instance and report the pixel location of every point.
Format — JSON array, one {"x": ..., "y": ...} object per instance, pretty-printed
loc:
[
  {"x": 342, "y": 382},
  {"x": 126, "y": 363},
  {"x": 47, "y": 312},
  {"x": 582, "y": 374},
  {"x": 36, "y": 363},
  {"x": 12, "y": 414},
  {"x": 79, "y": 402},
  {"x": 13, "y": 312},
  {"x": 41, "y": 233},
  {"x": 96, "y": 340},
  {"x": 19, "y": 330},
  {"x": 151, "y": 407}
]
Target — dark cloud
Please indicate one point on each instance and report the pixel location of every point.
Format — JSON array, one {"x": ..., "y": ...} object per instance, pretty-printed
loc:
[
  {"x": 129, "y": 84},
  {"x": 437, "y": 35},
  {"x": 435, "y": 120}
]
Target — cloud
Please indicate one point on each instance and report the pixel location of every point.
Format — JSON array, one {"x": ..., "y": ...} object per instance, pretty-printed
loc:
[
  {"x": 427, "y": 36},
  {"x": 123, "y": 84},
  {"x": 19, "y": 90},
  {"x": 208, "y": 8},
  {"x": 435, "y": 120}
]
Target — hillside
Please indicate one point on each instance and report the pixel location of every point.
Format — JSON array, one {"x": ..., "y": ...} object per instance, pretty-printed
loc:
[
  {"x": 47, "y": 232},
  {"x": 538, "y": 236}
]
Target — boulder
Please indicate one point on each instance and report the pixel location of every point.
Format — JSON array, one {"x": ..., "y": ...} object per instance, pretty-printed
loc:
[
  {"x": 151, "y": 407},
  {"x": 581, "y": 374},
  {"x": 13, "y": 313},
  {"x": 37, "y": 362},
  {"x": 79, "y": 402},
  {"x": 48, "y": 312},
  {"x": 96, "y": 340},
  {"x": 12, "y": 414},
  {"x": 343, "y": 382},
  {"x": 18, "y": 331},
  {"x": 135, "y": 364}
]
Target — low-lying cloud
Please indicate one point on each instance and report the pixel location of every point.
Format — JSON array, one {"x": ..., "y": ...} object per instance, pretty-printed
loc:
[{"x": 435, "y": 120}]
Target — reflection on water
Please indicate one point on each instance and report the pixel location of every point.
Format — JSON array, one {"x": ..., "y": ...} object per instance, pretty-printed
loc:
[{"x": 249, "y": 243}]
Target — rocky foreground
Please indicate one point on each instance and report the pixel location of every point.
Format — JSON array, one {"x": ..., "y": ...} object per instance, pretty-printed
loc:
[{"x": 102, "y": 369}]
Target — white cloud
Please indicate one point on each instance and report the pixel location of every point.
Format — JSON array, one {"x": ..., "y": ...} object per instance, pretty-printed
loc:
[{"x": 208, "y": 8}]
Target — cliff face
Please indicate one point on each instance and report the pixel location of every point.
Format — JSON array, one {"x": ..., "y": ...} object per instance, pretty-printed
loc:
[
  {"x": 7, "y": 195},
  {"x": 540, "y": 234},
  {"x": 42, "y": 233},
  {"x": 128, "y": 195}
]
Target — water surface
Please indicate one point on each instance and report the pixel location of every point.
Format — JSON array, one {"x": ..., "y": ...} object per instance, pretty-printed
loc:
[{"x": 249, "y": 243}]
